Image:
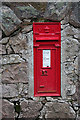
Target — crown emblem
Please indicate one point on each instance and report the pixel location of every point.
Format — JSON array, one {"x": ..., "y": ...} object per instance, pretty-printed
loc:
[{"x": 46, "y": 29}]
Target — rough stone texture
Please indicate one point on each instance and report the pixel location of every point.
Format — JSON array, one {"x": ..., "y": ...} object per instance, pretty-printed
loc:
[
  {"x": 78, "y": 85},
  {"x": 4, "y": 40},
  {"x": 40, "y": 6},
  {"x": 69, "y": 31},
  {"x": 74, "y": 16},
  {"x": 27, "y": 29},
  {"x": 30, "y": 63},
  {"x": 8, "y": 109},
  {"x": 65, "y": 20},
  {"x": 16, "y": 73},
  {"x": 69, "y": 61},
  {"x": 69, "y": 49},
  {"x": 56, "y": 11},
  {"x": 55, "y": 110},
  {"x": 2, "y": 49},
  {"x": 10, "y": 21},
  {"x": 26, "y": 12},
  {"x": 0, "y": 34},
  {"x": 0, "y": 104},
  {"x": 23, "y": 90},
  {"x": 18, "y": 45},
  {"x": 12, "y": 58},
  {"x": 30, "y": 109},
  {"x": 9, "y": 90}
]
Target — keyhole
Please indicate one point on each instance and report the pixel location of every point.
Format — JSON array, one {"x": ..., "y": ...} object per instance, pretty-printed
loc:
[
  {"x": 45, "y": 71},
  {"x": 42, "y": 72}
]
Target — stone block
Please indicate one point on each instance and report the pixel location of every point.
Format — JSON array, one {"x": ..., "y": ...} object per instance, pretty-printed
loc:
[
  {"x": 18, "y": 45},
  {"x": 26, "y": 12},
  {"x": 69, "y": 49},
  {"x": 10, "y": 21},
  {"x": 27, "y": 29},
  {"x": 56, "y": 11},
  {"x": 30, "y": 109},
  {"x": 30, "y": 63},
  {"x": 8, "y": 111},
  {"x": 2, "y": 49},
  {"x": 0, "y": 34},
  {"x": 74, "y": 16},
  {"x": 15, "y": 73},
  {"x": 18, "y": 42},
  {"x": 4, "y": 40},
  {"x": 57, "y": 111},
  {"x": 12, "y": 58},
  {"x": 23, "y": 90},
  {"x": 9, "y": 90},
  {"x": 69, "y": 31},
  {"x": 0, "y": 108}
]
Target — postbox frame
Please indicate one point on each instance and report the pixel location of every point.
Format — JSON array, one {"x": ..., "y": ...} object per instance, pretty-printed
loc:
[{"x": 58, "y": 66}]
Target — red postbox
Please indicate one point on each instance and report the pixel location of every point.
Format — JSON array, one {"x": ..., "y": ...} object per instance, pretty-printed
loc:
[{"x": 47, "y": 58}]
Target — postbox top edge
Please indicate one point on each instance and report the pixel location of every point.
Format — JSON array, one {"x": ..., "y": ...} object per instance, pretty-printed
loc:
[{"x": 48, "y": 23}]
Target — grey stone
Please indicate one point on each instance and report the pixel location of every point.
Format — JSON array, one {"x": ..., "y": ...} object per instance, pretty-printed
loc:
[
  {"x": 23, "y": 90},
  {"x": 9, "y": 49},
  {"x": 78, "y": 115},
  {"x": 15, "y": 73},
  {"x": 76, "y": 65},
  {"x": 10, "y": 22},
  {"x": 65, "y": 81},
  {"x": 2, "y": 49},
  {"x": 30, "y": 109},
  {"x": 69, "y": 31},
  {"x": 0, "y": 34},
  {"x": 26, "y": 22},
  {"x": 57, "y": 110},
  {"x": 30, "y": 63},
  {"x": 75, "y": 105},
  {"x": 27, "y": 29},
  {"x": 77, "y": 36},
  {"x": 4, "y": 40},
  {"x": 63, "y": 26},
  {"x": 8, "y": 110},
  {"x": 69, "y": 67},
  {"x": 26, "y": 12},
  {"x": 71, "y": 89},
  {"x": 74, "y": 16},
  {"x": 41, "y": 5},
  {"x": 56, "y": 11},
  {"x": 19, "y": 45},
  {"x": 12, "y": 58},
  {"x": 65, "y": 20},
  {"x": 9, "y": 90},
  {"x": 50, "y": 99},
  {"x": 69, "y": 49},
  {"x": 0, "y": 106}
]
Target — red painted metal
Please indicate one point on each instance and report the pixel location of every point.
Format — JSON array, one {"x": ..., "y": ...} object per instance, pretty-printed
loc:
[{"x": 47, "y": 39}]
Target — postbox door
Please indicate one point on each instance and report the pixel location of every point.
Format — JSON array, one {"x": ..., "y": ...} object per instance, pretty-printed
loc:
[{"x": 47, "y": 72}]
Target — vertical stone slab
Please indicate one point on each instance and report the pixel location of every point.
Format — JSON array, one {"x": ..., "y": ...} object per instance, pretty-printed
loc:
[{"x": 30, "y": 64}]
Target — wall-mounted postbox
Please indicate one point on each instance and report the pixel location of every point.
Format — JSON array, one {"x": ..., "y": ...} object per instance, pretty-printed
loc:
[{"x": 47, "y": 56}]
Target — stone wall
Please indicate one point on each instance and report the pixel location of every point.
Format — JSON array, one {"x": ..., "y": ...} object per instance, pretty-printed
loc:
[{"x": 16, "y": 56}]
